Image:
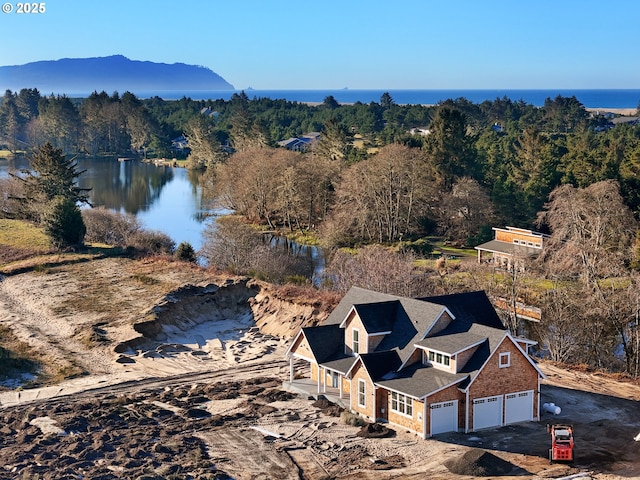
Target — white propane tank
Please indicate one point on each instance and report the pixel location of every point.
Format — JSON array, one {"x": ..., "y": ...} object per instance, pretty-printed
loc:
[{"x": 551, "y": 408}]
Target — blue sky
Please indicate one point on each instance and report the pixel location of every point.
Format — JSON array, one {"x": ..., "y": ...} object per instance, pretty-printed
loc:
[{"x": 402, "y": 44}]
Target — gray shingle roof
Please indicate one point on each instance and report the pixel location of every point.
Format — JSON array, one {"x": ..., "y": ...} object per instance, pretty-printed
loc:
[
  {"x": 325, "y": 341},
  {"x": 419, "y": 380},
  {"x": 379, "y": 364},
  {"x": 468, "y": 308},
  {"x": 451, "y": 344},
  {"x": 341, "y": 365},
  {"x": 355, "y": 296},
  {"x": 377, "y": 317}
]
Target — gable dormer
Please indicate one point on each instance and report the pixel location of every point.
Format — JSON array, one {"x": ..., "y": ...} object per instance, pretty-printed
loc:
[
  {"x": 449, "y": 353},
  {"x": 366, "y": 326}
]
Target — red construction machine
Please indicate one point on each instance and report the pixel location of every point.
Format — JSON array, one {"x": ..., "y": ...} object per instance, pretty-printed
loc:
[{"x": 561, "y": 443}]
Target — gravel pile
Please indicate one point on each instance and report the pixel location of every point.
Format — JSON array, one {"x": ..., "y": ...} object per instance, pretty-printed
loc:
[{"x": 479, "y": 463}]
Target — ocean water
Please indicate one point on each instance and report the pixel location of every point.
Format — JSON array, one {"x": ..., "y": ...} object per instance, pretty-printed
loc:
[{"x": 589, "y": 98}]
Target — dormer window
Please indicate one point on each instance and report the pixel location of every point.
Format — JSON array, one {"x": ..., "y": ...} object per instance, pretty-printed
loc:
[
  {"x": 355, "y": 343},
  {"x": 439, "y": 358}
]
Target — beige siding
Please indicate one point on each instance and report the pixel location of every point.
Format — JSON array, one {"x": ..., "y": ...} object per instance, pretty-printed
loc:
[
  {"x": 374, "y": 341},
  {"x": 414, "y": 422},
  {"x": 361, "y": 374},
  {"x": 441, "y": 323},
  {"x": 301, "y": 348},
  {"x": 493, "y": 380},
  {"x": 354, "y": 322}
]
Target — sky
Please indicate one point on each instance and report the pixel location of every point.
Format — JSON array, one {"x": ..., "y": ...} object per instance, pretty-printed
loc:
[{"x": 374, "y": 44}]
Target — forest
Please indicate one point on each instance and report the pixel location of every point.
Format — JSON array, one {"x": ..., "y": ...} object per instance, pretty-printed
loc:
[{"x": 383, "y": 179}]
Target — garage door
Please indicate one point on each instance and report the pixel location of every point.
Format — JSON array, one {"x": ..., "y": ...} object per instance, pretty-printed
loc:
[
  {"x": 444, "y": 417},
  {"x": 518, "y": 407},
  {"x": 487, "y": 412}
]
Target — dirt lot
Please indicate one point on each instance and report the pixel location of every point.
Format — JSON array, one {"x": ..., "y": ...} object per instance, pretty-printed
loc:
[{"x": 234, "y": 420}]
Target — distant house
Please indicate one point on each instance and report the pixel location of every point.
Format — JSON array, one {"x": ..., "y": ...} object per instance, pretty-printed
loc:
[
  {"x": 302, "y": 143},
  {"x": 209, "y": 112},
  {"x": 423, "y": 131},
  {"x": 179, "y": 143},
  {"x": 428, "y": 365},
  {"x": 509, "y": 245}
]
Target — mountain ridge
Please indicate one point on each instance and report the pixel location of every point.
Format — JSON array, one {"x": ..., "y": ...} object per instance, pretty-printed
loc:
[{"x": 111, "y": 73}]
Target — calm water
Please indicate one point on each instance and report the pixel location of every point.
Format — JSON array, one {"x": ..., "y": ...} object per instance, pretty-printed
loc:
[
  {"x": 163, "y": 198},
  {"x": 589, "y": 98}
]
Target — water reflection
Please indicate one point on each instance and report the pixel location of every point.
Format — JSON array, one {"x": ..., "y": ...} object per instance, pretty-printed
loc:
[{"x": 123, "y": 186}]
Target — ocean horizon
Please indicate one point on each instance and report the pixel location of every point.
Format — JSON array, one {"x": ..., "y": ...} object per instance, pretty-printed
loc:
[{"x": 593, "y": 98}]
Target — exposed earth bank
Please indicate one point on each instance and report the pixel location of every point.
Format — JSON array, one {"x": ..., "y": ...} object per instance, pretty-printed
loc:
[{"x": 104, "y": 322}]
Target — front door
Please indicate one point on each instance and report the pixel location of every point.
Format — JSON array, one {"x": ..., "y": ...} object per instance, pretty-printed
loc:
[{"x": 335, "y": 378}]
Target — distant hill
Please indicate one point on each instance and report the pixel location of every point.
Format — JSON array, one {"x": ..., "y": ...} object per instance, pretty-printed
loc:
[{"x": 114, "y": 73}]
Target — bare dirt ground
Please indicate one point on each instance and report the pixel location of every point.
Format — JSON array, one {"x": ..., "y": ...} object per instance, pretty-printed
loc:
[{"x": 120, "y": 418}]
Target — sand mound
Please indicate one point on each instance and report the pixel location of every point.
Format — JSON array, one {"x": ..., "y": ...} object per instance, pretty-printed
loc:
[{"x": 479, "y": 463}]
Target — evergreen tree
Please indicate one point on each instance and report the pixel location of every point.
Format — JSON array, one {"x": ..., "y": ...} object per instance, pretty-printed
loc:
[
  {"x": 186, "y": 253},
  {"x": 63, "y": 223},
  {"x": 52, "y": 175}
]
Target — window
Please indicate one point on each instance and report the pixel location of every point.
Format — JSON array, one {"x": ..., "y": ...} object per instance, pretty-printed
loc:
[
  {"x": 362, "y": 391},
  {"x": 439, "y": 358},
  {"x": 401, "y": 404},
  {"x": 505, "y": 360},
  {"x": 355, "y": 344}
]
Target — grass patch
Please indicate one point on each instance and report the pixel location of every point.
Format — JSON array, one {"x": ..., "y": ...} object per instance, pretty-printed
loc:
[
  {"x": 145, "y": 279},
  {"x": 20, "y": 240}
]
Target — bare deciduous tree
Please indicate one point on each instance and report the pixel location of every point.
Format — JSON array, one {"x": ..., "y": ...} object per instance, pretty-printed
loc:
[
  {"x": 383, "y": 198},
  {"x": 375, "y": 268},
  {"x": 592, "y": 231}
]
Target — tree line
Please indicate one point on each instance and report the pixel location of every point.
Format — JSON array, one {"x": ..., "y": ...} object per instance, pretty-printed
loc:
[{"x": 371, "y": 182}]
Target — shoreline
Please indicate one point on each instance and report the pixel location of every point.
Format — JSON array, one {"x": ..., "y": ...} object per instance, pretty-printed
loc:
[{"x": 626, "y": 112}]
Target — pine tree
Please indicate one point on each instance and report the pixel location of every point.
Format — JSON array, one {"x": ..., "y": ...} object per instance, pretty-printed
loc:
[
  {"x": 52, "y": 175},
  {"x": 63, "y": 223}
]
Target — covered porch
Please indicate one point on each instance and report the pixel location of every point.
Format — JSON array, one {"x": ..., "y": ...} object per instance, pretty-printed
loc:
[
  {"x": 309, "y": 388},
  {"x": 313, "y": 380}
]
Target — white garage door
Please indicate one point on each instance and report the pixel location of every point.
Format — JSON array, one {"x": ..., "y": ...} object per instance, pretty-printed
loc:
[
  {"x": 487, "y": 412},
  {"x": 444, "y": 417},
  {"x": 518, "y": 407}
]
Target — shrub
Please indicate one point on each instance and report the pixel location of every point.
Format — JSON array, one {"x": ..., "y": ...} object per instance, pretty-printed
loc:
[
  {"x": 352, "y": 419},
  {"x": 153, "y": 242},
  {"x": 112, "y": 228}
]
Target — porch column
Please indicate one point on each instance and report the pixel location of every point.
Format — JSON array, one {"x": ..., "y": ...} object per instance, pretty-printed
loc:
[
  {"x": 424, "y": 419},
  {"x": 291, "y": 375},
  {"x": 340, "y": 385},
  {"x": 319, "y": 378},
  {"x": 466, "y": 412},
  {"x": 479, "y": 256},
  {"x": 375, "y": 407}
]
